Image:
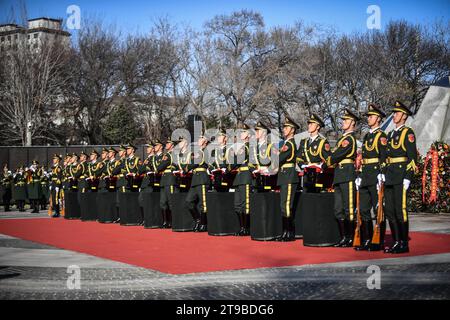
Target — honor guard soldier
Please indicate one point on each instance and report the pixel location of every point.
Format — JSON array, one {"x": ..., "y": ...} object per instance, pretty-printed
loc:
[
  {"x": 166, "y": 167},
  {"x": 119, "y": 169},
  {"x": 20, "y": 189},
  {"x": 287, "y": 179},
  {"x": 108, "y": 172},
  {"x": 95, "y": 169},
  {"x": 55, "y": 185},
  {"x": 45, "y": 186},
  {"x": 343, "y": 157},
  {"x": 159, "y": 152},
  {"x": 6, "y": 181},
  {"x": 34, "y": 189},
  {"x": 182, "y": 160},
  {"x": 220, "y": 164},
  {"x": 313, "y": 153},
  {"x": 243, "y": 180},
  {"x": 400, "y": 169},
  {"x": 132, "y": 165},
  {"x": 148, "y": 170},
  {"x": 82, "y": 172},
  {"x": 198, "y": 164},
  {"x": 261, "y": 158},
  {"x": 370, "y": 176}
]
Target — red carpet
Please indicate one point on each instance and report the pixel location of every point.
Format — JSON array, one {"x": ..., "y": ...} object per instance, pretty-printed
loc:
[{"x": 177, "y": 253}]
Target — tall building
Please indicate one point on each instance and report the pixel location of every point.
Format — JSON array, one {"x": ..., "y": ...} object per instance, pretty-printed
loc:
[{"x": 37, "y": 32}]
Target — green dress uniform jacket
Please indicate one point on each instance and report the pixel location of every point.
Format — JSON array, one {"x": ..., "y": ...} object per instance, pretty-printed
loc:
[
  {"x": 81, "y": 173},
  {"x": 245, "y": 168},
  {"x": 343, "y": 157},
  {"x": 34, "y": 184},
  {"x": 19, "y": 190},
  {"x": 373, "y": 157},
  {"x": 315, "y": 152},
  {"x": 286, "y": 162}
]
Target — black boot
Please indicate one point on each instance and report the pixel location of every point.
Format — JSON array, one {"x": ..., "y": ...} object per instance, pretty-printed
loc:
[
  {"x": 35, "y": 206},
  {"x": 290, "y": 235},
  {"x": 164, "y": 217},
  {"x": 404, "y": 239},
  {"x": 366, "y": 236},
  {"x": 203, "y": 223},
  {"x": 241, "y": 216},
  {"x": 349, "y": 227},
  {"x": 341, "y": 224},
  {"x": 395, "y": 237},
  {"x": 56, "y": 212},
  {"x": 196, "y": 218},
  {"x": 285, "y": 230},
  {"x": 169, "y": 219}
]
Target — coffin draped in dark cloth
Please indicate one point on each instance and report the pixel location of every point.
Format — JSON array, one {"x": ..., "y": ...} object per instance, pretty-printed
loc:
[
  {"x": 181, "y": 217},
  {"x": 319, "y": 223},
  {"x": 222, "y": 220},
  {"x": 106, "y": 200},
  {"x": 72, "y": 206}
]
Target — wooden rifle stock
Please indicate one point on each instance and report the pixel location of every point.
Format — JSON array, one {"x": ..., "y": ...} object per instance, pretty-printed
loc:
[
  {"x": 380, "y": 217},
  {"x": 357, "y": 236}
]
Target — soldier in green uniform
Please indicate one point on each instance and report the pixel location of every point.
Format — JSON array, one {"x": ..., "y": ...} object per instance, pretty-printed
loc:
[
  {"x": 343, "y": 157},
  {"x": 243, "y": 181},
  {"x": 313, "y": 153},
  {"x": 198, "y": 163},
  {"x": 119, "y": 170},
  {"x": 371, "y": 175},
  {"x": 158, "y": 149},
  {"x": 81, "y": 172},
  {"x": 45, "y": 187},
  {"x": 260, "y": 157},
  {"x": 287, "y": 179},
  {"x": 55, "y": 185},
  {"x": 95, "y": 169},
  {"x": 400, "y": 168},
  {"x": 6, "y": 181},
  {"x": 181, "y": 161},
  {"x": 169, "y": 186},
  {"x": 34, "y": 186},
  {"x": 132, "y": 165},
  {"x": 20, "y": 189},
  {"x": 220, "y": 166},
  {"x": 148, "y": 170}
]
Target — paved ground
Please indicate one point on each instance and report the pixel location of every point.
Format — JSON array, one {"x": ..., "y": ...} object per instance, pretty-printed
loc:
[{"x": 33, "y": 271}]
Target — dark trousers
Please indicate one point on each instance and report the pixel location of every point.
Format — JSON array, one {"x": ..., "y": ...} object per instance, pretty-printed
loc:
[
  {"x": 368, "y": 199},
  {"x": 395, "y": 197},
  {"x": 195, "y": 195},
  {"x": 242, "y": 199},
  {"x": 56, "y": 200},
  {"x": 345, "y": 201},
  {"x": 287, "y": 195},
  {"x": 164, "y": 196}
]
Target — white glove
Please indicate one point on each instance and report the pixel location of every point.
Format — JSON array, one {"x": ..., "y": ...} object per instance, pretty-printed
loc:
[
  {"x": 406, "y": 183},
  {"x": 303, "y": 166},
  {"x": 50, "y": 188},
  {"x": 255, "y": 171},
  {"x": 56, "y": 189},
  {"x": 266, "y": 172},
  {"x": 223, "y": 170},
  {"x": 358, "y": 183},
  {"x": 381, "y": 178}
]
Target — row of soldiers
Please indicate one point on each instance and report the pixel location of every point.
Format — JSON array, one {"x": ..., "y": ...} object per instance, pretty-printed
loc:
[
  {"x": 386, "y": 162},
  {"x": 25, "y": 184}
]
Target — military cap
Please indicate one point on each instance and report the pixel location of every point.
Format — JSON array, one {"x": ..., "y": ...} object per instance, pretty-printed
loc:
[
  {"x": 314, "y": 118},
  {"x": 288, "y": 122},
  {"x": 112, "y": 150},
  {"x": 74, "y": 154},
  {"x": 399, "y": 106},
  {"x": 261, "y": 126},
  {"x": 104, "y": 149},
  {"x": 350, "y": 115},
  {"x": 149, "y": 144},
  {"x": 122, "y": 147},
  {"x": 131, "y": 146},
  {"x": 82, "y": 153},
  {"x": 244, "y": 127},
  {"x": 170, "y": 141},
  {"x": 222, "y": 132},
  {"x": 57, "y": 156},
  {"x": 35, "y": 162},
  {"x": 375, "y": 110},
  {"x": 94, "y": 152},
  {"x": 156, "y": 142}
]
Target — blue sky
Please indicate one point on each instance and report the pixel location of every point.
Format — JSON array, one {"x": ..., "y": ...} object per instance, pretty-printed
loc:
[{"x": 136, "y": 15}]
